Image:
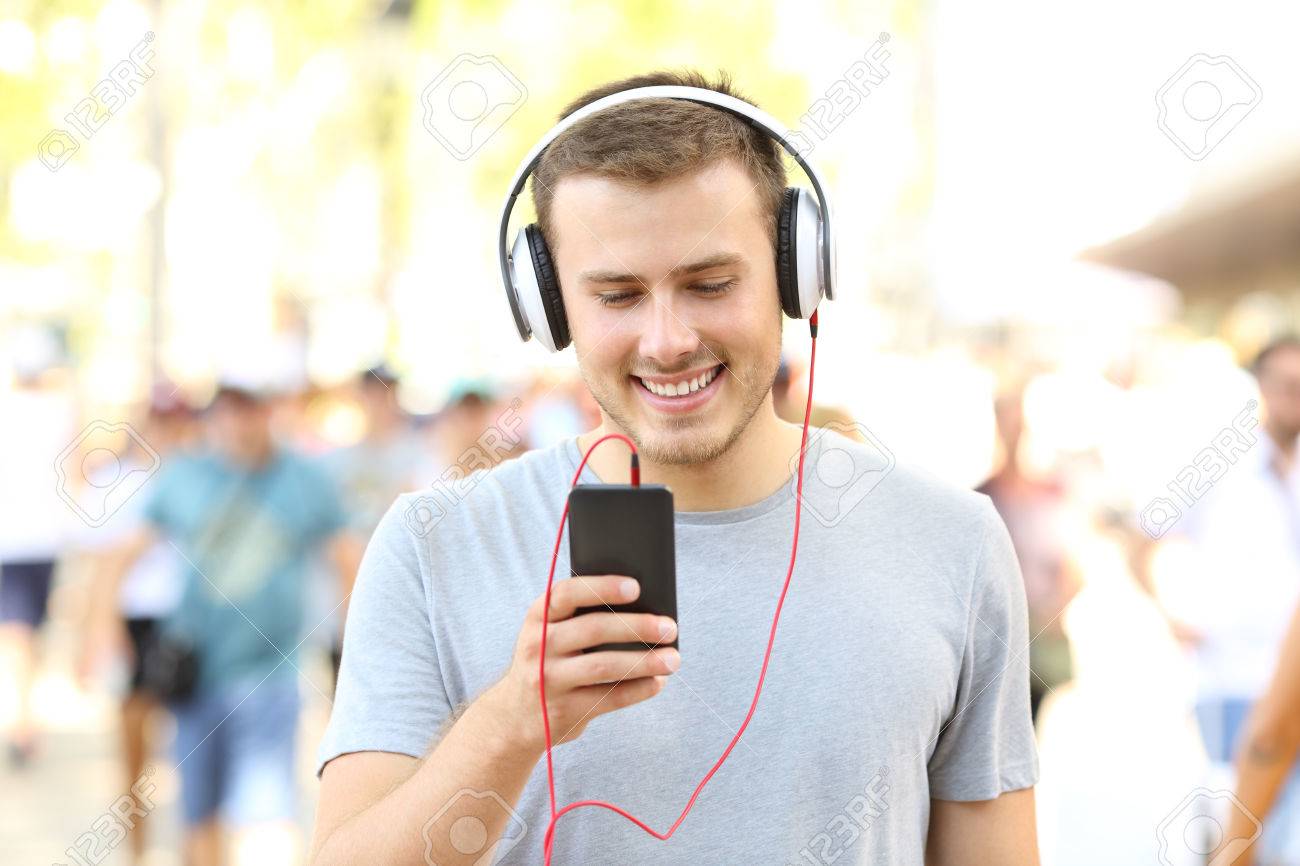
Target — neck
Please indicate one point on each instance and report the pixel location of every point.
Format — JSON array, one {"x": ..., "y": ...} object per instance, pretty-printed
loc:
[
  {"x": 383, "y": 428},
  {"x": 1285, "y": 443},
  {"x": 755, "y": 465},
  {"x": 1285, "y": 440},
  {"x": 251, "y": 461}
]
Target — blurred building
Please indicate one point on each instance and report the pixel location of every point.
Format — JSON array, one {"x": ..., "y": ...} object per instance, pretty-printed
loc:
[{"x": 1233, "y": 251}]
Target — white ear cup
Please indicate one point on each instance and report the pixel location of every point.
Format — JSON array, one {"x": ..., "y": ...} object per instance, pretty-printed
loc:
[
  {"x": 808, "y": 238},
  {"x": 528, "y": 292}
]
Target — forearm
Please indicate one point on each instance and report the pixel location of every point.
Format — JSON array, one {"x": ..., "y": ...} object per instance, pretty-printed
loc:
[
  {"x": 106, "y": 579},
  {"x": 480, "y": 753},
  {"x": 1263, "y": 764}
]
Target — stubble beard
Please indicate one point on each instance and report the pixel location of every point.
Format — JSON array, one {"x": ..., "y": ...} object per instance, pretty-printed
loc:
[{"x": 670, "y": 441}]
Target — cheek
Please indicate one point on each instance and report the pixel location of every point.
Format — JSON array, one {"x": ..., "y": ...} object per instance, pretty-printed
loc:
[{"x": 606, "y": 356}]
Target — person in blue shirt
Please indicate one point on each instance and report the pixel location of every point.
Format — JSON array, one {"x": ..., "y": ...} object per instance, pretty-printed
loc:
[{"x": 245, "y": 515}]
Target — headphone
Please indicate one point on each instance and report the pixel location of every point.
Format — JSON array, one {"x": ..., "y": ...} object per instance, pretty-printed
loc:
[{"x": 805, "y": 251}]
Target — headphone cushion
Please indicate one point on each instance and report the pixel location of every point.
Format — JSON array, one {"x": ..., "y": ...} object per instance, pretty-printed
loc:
[
  {"x": 787, "y": 264},
  {"x": 549, "y": 286}
]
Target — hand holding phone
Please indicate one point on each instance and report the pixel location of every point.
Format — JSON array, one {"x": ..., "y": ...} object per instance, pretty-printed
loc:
[
  {"x": 580, "y": 685},
  {"x": 611, "y": 642}
]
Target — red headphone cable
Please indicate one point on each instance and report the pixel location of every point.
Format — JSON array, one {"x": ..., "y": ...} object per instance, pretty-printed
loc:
[{"x": 767, "y": 654}]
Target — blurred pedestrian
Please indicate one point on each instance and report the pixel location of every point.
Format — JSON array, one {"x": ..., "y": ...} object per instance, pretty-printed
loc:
[
  {"x": 555, "y": 409},
  {"x": 789, "y": 399},
  {"x": 1245, "y": 536},
  {"x": 371, "y": 473},
  {"x": 1035, "y": 511},
  {"x": 476, "y": 429},
  {"x": 150, "y": 591},
  {"x": 245, "y": 515},
  {"x": 37, "y": 422}
]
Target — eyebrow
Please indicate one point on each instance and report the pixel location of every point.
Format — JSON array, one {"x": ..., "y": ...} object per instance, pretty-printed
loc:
[{"x": 717, "y": 260}]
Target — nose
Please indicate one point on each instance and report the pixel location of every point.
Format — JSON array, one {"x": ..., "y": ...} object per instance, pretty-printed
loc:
[{"x": 666, "y": 338}]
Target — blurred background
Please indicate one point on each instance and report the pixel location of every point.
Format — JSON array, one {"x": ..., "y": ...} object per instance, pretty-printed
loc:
[{"x": 1063, "y": 237}]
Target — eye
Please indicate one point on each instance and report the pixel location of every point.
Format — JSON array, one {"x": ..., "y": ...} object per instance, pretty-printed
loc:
[
  {"x": 614, "y": 299},
  {"x": 714, "y": 288}
]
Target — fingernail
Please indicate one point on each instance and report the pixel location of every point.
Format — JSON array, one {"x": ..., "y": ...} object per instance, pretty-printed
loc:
[
  {"x": 628, "y": 588},
  {"x": 666, "y": 627},
  {"x": 673, "y": 660}
]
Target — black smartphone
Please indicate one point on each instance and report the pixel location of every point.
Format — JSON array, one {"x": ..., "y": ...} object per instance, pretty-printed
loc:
[{"x": 620, "y": 529}]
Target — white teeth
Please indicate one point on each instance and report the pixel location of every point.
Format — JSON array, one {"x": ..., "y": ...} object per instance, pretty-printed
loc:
[{"x": 678, "y": 389}]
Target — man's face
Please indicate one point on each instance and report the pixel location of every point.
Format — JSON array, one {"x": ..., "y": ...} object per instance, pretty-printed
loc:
[
  {"x": 666, "y": 284},
  {"x": 241, "y": 431},
  {"x": 1279, "y": 386},
  {"x": 379, "y": 399}
]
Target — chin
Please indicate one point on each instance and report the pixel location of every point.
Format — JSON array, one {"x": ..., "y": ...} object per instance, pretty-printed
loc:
[
  {"x": 685, "y": 447},
  {"x": 686, "y": 440}
]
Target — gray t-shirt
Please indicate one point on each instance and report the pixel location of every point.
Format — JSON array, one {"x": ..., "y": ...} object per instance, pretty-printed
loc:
[{"x": 898, "y": 673}]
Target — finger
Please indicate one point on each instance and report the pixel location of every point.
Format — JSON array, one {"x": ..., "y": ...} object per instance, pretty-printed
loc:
[
  {"x": 605, "y": 698},
  {"x": 593, "y": 629},
  {"x": 588, "y": 591},
  {"x": 609, "y": 666}
]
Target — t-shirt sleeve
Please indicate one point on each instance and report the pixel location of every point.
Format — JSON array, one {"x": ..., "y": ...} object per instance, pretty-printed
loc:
[
  {"x": 390, "y": 695},
  {"x": 986, "y": 747}
]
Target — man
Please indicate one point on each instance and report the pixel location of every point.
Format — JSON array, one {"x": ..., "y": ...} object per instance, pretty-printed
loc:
[
  {"x": 372, "y": 472},
  {"x": 1245, "y": 536},
  {"x": 244, "y": 516},
  {"x": 36, "y": 423},
  {"x": 148, "y": 594},
  {"x": 1036, "y": 510},
  {"x": 894, "y": 724}
]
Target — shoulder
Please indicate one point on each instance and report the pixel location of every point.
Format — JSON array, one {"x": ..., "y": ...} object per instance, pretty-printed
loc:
[
  {"x": 475, "y": 505},
  {"x": 907, "y": 494},
  {"x": 908, "y": 513}
]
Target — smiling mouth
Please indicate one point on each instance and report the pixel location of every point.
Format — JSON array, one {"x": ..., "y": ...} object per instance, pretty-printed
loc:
[{"x": 682, "y": 388}]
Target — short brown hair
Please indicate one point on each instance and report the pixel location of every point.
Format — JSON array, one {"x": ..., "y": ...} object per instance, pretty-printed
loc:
[
  {"x": 655, "y": 139},
  {"x": 1275, "y": 346}
]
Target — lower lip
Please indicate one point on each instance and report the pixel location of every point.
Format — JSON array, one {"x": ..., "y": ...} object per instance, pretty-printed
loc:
[{"x": 689, "y": 403}]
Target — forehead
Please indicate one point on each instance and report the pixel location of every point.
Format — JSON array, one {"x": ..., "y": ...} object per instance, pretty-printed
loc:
[{"x": 716, "y": 205}]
